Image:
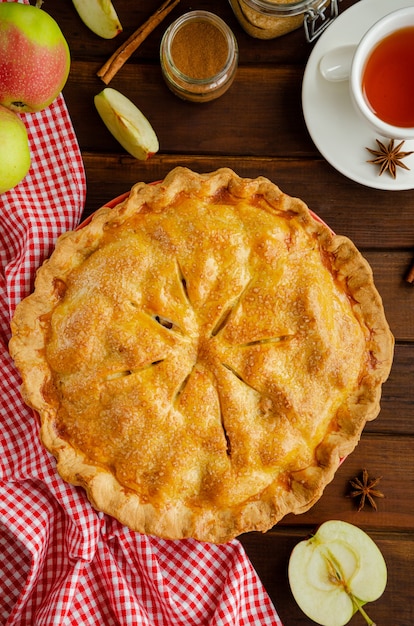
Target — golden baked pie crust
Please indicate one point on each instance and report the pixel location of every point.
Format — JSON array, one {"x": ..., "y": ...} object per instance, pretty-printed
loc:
[{"x": 202, "y": 355}]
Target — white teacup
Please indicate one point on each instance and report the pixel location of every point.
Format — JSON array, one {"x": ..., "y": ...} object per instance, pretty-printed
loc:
[{"x": 351, "y": 62}]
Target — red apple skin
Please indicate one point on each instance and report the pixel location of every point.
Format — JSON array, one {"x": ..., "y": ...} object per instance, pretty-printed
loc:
[{"x": 34, "y": 58}]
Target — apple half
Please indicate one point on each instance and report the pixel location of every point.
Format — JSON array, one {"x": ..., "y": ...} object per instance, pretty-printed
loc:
[
  {"x": 335, "y": 572},
  {"x": 99, "y": 16},
  {"x": 127, "y": 124}
]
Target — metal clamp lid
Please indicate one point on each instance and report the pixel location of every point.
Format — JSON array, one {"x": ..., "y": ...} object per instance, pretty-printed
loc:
[{"x": 315, "y": 20}]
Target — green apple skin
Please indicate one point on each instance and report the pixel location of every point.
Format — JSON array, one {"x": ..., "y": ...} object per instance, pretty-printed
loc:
[
  {"x": 14, "y": 150},
  {"x": 34, "y": 57}
]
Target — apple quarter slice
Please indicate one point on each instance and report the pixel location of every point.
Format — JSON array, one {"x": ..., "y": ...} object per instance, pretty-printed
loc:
[
  {"x": 99, "y": 16},
  {"x": 126, "y": 123}
]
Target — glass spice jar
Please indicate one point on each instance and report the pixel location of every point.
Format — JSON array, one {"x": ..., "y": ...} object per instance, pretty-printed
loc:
[
  {"x": 267, "y": 19},
  {"x": 199, "y": 56}
]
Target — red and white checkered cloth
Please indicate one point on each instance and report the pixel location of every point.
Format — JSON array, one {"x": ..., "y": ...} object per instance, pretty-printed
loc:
[{"x": 61, "y": 562}]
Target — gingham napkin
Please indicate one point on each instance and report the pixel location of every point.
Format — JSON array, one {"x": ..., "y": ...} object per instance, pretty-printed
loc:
[{"x": 61, "y": 562}]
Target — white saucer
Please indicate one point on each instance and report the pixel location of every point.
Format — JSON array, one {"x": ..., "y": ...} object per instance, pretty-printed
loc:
[{"x": 338, "y": 132}]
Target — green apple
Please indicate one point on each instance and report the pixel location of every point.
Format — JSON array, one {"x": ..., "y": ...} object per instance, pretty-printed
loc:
[
  {"x": 335, "y": 572},
  {"x": 34, "y": 57},
  {"x": 126, "y": 123},
  {"x": 14, "y": 150},
  {"x": 99, "y": 16}
]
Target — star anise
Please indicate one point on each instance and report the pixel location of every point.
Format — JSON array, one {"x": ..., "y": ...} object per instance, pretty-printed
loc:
[
  {"x": 364, "y": 488},
  {"x": 389, "y": 157}
]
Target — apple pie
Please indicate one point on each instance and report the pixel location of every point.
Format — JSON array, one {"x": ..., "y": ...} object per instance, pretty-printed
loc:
[{"x": 202, "y": 355}]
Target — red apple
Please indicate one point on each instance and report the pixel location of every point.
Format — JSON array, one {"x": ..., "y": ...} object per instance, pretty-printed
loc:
[{"x": 34, "y": 57}]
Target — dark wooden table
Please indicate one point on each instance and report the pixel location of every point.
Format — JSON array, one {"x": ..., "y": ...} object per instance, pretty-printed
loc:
[{"x": 257, "y": 128}]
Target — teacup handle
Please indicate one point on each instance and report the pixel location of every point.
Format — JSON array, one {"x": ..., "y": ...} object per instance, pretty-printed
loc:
[{"x": 335, "y": 65}]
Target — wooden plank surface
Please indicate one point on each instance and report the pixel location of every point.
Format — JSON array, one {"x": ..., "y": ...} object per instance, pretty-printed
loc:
[
  {"x": 257, "y": 128},
  {"x": 380, "y": 221},
  {"x": 395, "y": 607}
]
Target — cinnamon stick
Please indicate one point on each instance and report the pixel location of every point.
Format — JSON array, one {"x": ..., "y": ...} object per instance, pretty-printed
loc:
[{"x": 123, "y": 53}]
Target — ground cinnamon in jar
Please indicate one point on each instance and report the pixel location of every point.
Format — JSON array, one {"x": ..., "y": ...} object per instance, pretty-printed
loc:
[
  {"x": 199, "y": 56},
  {"x": 199, "y": 50}
]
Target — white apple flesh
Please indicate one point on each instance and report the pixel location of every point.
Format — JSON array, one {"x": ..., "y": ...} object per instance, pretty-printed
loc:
[
  {"x": 34, "y": 57},
  {"x": 14, "y": 150},
  {"x": 99, "y": 16},
  {"x": 127, "y": 124},
  {"x": 335, "y": 572}
]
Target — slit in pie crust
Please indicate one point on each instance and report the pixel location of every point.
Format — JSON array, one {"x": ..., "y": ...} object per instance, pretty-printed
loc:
[{"x": 202, "y": 355}]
